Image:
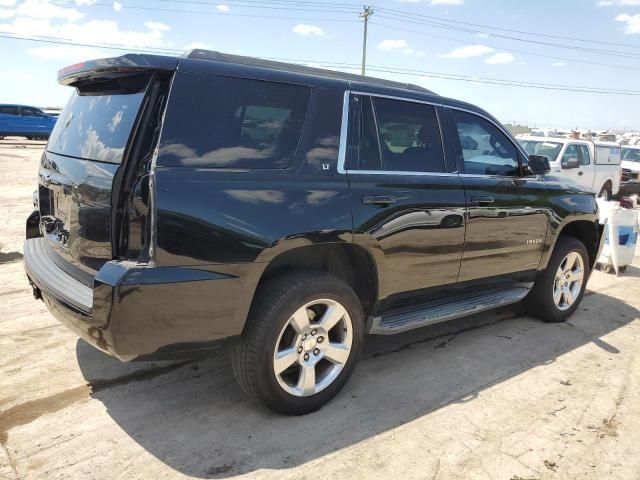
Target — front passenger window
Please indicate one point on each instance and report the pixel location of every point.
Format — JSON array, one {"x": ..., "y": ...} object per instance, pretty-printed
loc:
[{"x": 484, "y": 148}]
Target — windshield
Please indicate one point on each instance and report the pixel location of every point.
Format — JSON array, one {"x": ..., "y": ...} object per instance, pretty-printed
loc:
[
  {"x": 95, "y": 127},
  {"x": 547, "y": 149},
  {"x": 631, "y": 154}
]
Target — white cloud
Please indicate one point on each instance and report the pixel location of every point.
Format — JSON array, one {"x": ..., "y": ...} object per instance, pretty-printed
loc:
[
  {"x": 117, "y": 6},
  {"x": 6, "y": 13},
  {"x": 500, "y": 58},
  {"x": 447, "y": 2},
  {"x": 7, "y": 3},
  {"x": 222, "y": 7},
  {"x": 389, "y": 45},
  {"x": 467, "y": 51},
  {"x": 67, "y": 53},
  {"x": 400, "y": 46},
  {"x": 618, "y": 3},
  {"x": 197, "y": 45},
  {"x": 484, "y": 35},
  {"x": 45, "y": 10},
  {"x": 632, "y": 23},
  {"x": 15, "y": 76},
  {"x": 157, "y": 26},
  {"x": 303, "y": 29},
  {"x": 48, "y": 18},
  {"x": 558, "y": 64},
  {"x": 80, "y": 3}
]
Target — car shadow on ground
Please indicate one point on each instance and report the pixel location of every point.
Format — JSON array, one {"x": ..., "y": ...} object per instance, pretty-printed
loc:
[{"x": 193, "y": 416}]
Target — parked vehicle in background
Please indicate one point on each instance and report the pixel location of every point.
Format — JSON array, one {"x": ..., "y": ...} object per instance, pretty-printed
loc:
[
  {"x": 593, "y": 164},
  {"x": 53, "y": 111},
  {"x": 25, "y": 121},
  {"x": 630, "y": 170},
  {"x": 289, "y": 210}
]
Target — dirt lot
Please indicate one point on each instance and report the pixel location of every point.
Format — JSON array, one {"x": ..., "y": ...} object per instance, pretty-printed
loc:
[{"x": 499, "y": 395}]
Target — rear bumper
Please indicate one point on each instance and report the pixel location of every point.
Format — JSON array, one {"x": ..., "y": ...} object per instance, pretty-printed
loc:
[{"x": 136, "y": 310}]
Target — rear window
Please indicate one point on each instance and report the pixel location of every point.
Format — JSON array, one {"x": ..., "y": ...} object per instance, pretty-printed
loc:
[
  {"x": 95, "y": 127},
  {"x": 223, "y": 122}
]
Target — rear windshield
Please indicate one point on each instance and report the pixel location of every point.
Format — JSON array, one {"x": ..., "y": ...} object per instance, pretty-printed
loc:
[
  {"x": 223, "y": 122},
  {"x": 95, "y": 127}
]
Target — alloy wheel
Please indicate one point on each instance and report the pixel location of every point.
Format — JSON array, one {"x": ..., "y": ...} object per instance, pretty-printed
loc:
[
  {"x": 313, "y": 347},
  {"x": 568, "y": 281}
]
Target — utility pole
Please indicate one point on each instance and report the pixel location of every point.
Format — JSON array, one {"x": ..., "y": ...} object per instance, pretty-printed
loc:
[{"x": 368, "y": 11}]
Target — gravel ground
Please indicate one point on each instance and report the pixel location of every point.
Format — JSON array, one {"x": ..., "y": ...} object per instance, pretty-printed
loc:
[{"x": 494, "y": 396}]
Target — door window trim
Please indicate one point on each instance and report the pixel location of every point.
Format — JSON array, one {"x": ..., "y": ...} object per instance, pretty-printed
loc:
[{"x": 344, "y": 129}]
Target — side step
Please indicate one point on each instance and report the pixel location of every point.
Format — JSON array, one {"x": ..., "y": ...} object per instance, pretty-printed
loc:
[{"x": 403, "y": 319}]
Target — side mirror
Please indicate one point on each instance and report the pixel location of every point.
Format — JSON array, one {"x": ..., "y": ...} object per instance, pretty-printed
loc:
[
  {"x": 539, "y": 164},
  {"x": 570, "y": 163}
]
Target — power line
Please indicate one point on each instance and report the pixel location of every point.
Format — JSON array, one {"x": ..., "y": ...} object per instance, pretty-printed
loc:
[
  {"x": 509, "y": 49},
  {"x": 524, "y": 32},
  {"x": 231, "y": 14},
  {"x": 410, "y": 17},
  {"x": 614, "y": 53},
  {"x": 375, "y": 68}
]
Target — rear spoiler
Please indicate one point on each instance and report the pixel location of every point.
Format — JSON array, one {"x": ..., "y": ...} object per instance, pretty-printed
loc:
[{"x": 106, "y": 68}]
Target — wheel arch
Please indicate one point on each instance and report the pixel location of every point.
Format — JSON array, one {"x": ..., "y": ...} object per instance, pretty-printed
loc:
[
  {"x": 349, "y": 262},
  {"x": 588, "y": 232}
]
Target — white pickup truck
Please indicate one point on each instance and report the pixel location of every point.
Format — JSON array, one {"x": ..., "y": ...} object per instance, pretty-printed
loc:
[{"x": 594, "y": 164}]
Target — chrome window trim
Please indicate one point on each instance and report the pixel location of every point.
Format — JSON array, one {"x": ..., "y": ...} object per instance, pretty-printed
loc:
[
  {"x": 344, "y": 130},
  {"x": 342, "y": 151}
]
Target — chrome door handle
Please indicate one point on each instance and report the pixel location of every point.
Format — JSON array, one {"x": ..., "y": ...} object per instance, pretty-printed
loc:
[
  {"x": 482, "y": 200},
  {"x": 378, "y": 199}
]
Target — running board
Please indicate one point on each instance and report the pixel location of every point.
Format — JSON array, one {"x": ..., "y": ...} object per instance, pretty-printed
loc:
[{"x": 404, "y": 319}]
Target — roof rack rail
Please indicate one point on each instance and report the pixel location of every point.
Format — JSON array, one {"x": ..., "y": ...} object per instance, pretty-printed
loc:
[{"x": 212, "y": 55}]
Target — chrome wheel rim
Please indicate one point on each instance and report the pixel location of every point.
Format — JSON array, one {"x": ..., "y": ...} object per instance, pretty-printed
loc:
[
  {"x": 313, "y": 347},
  {"x": 568, "y": 281}
]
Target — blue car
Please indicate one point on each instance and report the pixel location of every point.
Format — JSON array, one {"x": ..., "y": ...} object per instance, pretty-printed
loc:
[{"x": 25, "y": 121}]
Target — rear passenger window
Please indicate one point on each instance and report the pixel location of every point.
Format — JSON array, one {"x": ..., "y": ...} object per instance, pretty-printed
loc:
[
  {"x": 485, "y": 149},
  {"x": 585, "y": 157},
  {"x": 217, "y": 122},
  {"x": 4, "y": 110},
  {"x": 409, "y": 136}
]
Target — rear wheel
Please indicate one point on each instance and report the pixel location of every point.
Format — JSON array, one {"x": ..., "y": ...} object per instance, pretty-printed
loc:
[
  {"x": 559, "y": 290},
  {"x": 605, "y": 193},
  {"x": 301, "y": 343}
]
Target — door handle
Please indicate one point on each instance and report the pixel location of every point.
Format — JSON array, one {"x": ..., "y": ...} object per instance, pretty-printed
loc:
[
  {"x": 482, "y": 200},
  {"x": 580, "y": 173},
  {"x": 378, "y": 199}
]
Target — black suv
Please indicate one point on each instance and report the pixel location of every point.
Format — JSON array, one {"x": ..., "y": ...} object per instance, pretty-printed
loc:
[{"x": 289, "y": 210}]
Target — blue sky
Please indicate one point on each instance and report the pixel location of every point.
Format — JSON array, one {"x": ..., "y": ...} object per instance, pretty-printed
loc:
[{"x": 416, "y": 35}]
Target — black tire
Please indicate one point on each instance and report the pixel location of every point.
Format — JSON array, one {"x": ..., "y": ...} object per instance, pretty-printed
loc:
[
  {"x": 622, "y": 269},
  {"x": 540, "y": 301},
  {"x": 606, "y": 268},
  {"x": 273, "y": 306},
  {"x": 605, "y": 193}
]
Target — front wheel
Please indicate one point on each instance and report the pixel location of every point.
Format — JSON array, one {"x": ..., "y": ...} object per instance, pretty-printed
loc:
[
  {"x": 301, "y": 342},
  {"x": 559, "y": 290}
]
